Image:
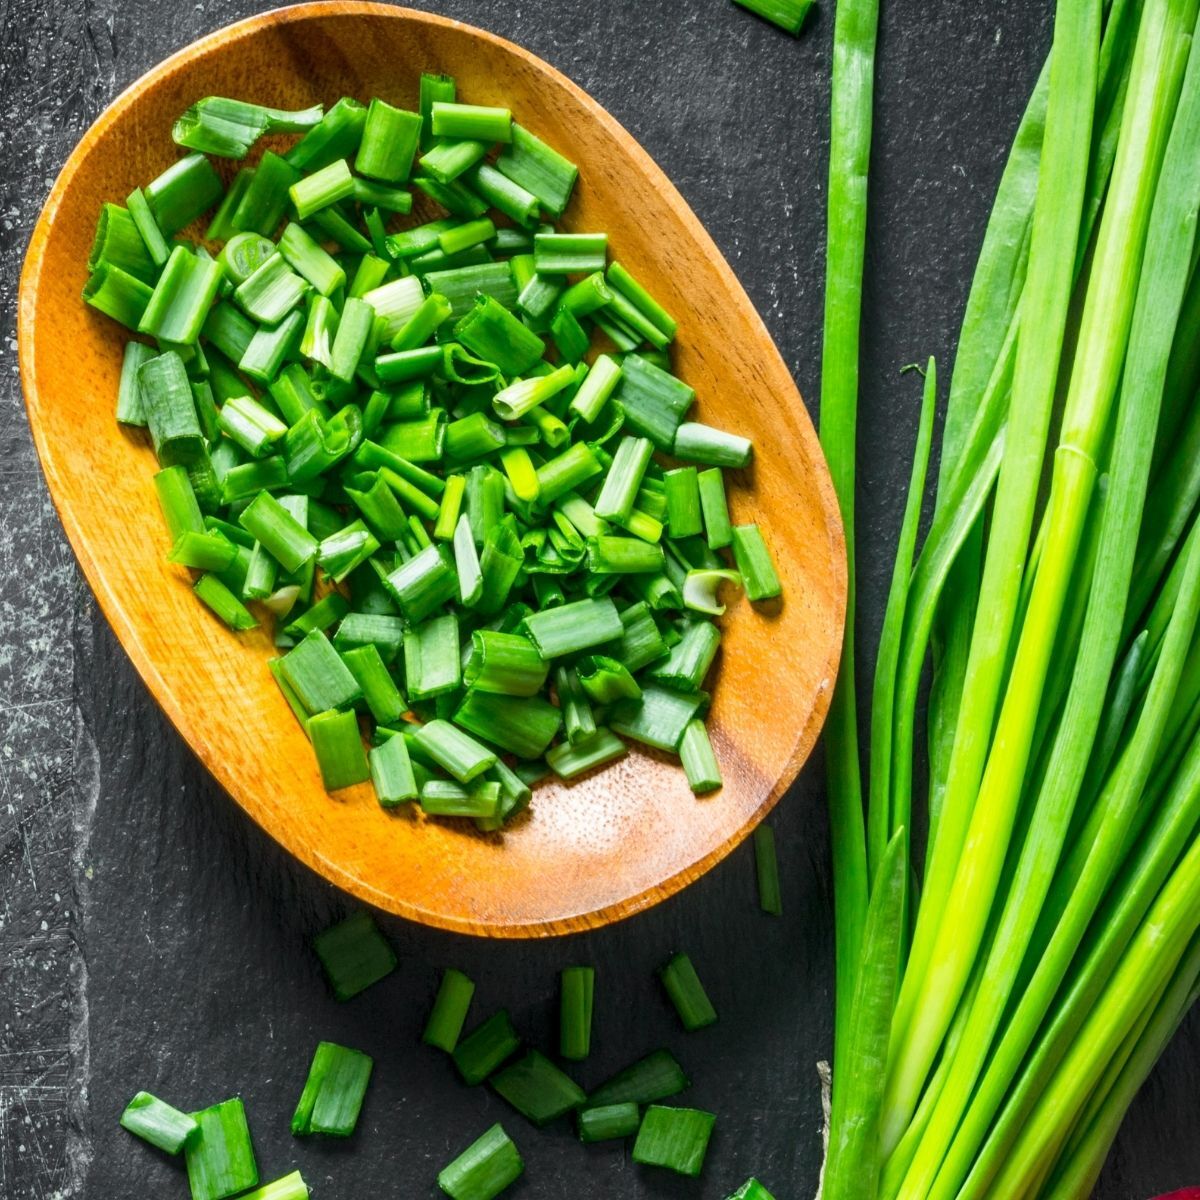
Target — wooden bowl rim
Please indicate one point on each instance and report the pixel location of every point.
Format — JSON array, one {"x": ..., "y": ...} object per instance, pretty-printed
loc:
[{"x": 115, "y": 612}]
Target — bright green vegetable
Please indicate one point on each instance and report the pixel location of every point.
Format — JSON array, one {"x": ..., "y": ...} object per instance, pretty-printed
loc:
[
  {"x": 334, "y": 1091},
  {"x": 220, "y": 1159},
  {"x": 156, "y": 1122},
  {"x": 354, "y": 954}
]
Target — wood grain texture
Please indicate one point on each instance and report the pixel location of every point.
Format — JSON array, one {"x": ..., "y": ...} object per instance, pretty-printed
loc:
[{"x": 611, "y": 844}]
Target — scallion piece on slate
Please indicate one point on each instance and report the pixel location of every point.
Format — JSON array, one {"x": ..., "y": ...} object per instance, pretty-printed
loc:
[
  {"x": 656, "y": 1077},
  {"x": 674, "y": 1138},
  {"x": 608, "y": 1122},
  {"x": 767, "y": 870},
  {"x": 537, "y": 1089},
  {"x": 220, "y": 1158},
  {"x": 575, "y": 1012},
  {"x": 449, "y": 1011},
  {"x": 290, "y": 1187},
  {"x": 687, "y": 993},
  {"x": 334, "y": 1091},
  {"x": 789, "y": 15},
  {"x": 484, "y": 1169},
  {"x": 156, "y": 1122},
  {"x": 752, "y": 1190},
  {"x": 486, "y": 1047},
  {"x": 354, "y": 954}
]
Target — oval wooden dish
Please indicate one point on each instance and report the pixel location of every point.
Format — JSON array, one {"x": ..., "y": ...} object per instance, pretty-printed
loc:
[{"x": 586, "y": 854}]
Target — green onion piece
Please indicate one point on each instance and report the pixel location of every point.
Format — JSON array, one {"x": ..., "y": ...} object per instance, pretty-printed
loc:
[
  {"x": 139, "y": 209},
  {"x": 524, "y": 726},
  {"x": 492, "y": 332},
  {"x": 754, "y": 563},
  {"x": 433, "y": 88},
  {"x": 228, "y": 128},
  {"x": 335, "y": 136},
  {"x": 687, "y": 993},
  {"x": 656, "y": 1077},
  {"x": 431, "y": 658},
  {"x": 253, "y": 427},
  {"x": 130, "y": 410},
  {"x": 353, "y": 333},
  {"x": 269, "y": 346},
  {"x": 350, "y": 547},
  {"x": 243, "y": 254},
  {"x": 578, "y": 986},
  {"x": 521, "y": 397},
  {"x": 247, "y": 479},
  {"x": 642, "y": 643},
  {"x": 447, "y": 798},
  {"x": 416, "y": 441},
  {"x": 117, "y": 294},
  {"x": 156, "y": 1122},
  {"x": 229, "y": 331},
  {"x": 456, "y": 752},
  {"x": 333, "y": 1093},
  {"x": 182, "y": 192},
  {"x": 691, "y": 657},
  {"x": 317, "y": 674},
  {"x": 119, "y": 243},
  {"x": 220, "y": 1158},
  {"x": 389, "y": 143},
  {"x": 272, "y": 291},
  {"x": 377, "y": 195},
  {"x": 450, "y": 1006},
  {"x": 454, "y": 196},
  {"x": 569, "y": 336},
  {"x": 521, "y": 473},
  {"x": 451, "y": 120},
  {"x": 411, "y": 243},
  {"x": 266, "y": 197},
  {"x": 486, "y": 1047},
  {"x": 699, "y": 761},
  {"x": 473, "y": 437},
  {"x": 606, "y": 680},
  {"x": 326, "y": 612},
  {"x": 392, "y": 773},
  {"x": 624, "y": 478},
  {"x": 659, "y": 719},
  {"x": 572, "y": 468},
  {"x": 569, "y": 253},
  {"x": 608, "y": 555},
  {"x": 713, "y": 447},
  {"x": 538, "y": 297},
  {"x": 380, "y": 509},
  {"x": 607, "y": 1123},
  {"x": 484, "y": 1169},
  {"x": 306, "y": 256},
  {"x": 282, "y": 535},
  {"x": 515, "y": 795},
  {"x": 539, "y": 169},
  {"x": 221, "y": 227},
  {"x": 423, "y": 324},
  {"x": 654, "y": 401},
  {"x": 395, "y": 303},
  {"x": 337, "y": 229},
  {"x": 573, "y": 627},
  {"x": 598, "y": 385},
  {"x": 447, "y": 160},
  {"x": 381, "y": 629},
  {"x": 354, "y": 954},
  {"x": 537, "y": 1089},
  {"x": 715, "y": 508},
  {"x": 789, "y": 15},
  {"x": 674, "y": 1138},
  {"x": 466, "y": 564},
  {"x": 339, "y": 749},
  {"x": 178, "y": 502},
  {"x": 579, "y": 721},
  {"x": 505, "y": 663},
  {"x": 624, "y": 284},
  {"x": 587, "y": 295},
  {"x": 461, "y": 285},
  {"x": 507, "y": 197},
  {"x": 571, "y": 760},
  {"x": 423, "y": 584},
  {"x": 290, "y": 1187},
  {"x": 202, "y": 551},
  {"x": 322, "y": 188},
  {"x": 319, "y": 331},
  {"x": 752, "y": 1189},
  {"x": 224, "y": 603},
  {"x": 181, "y": 299},
  {"x": 683, "y": 502},
  {"x": 379, "y": 690},
  {"x": 767, "y": 869}
]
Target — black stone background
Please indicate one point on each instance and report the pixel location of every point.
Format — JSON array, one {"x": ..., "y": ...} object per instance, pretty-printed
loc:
[{"x": 151, "y": 936}]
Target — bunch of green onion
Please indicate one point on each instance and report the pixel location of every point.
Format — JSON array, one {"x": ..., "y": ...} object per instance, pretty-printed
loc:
[
  {"x": 448, "y": 458},
  {"x": 996, "y": 1018}
]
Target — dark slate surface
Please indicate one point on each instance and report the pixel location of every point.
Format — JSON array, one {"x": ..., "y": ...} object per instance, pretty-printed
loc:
[{"x": 150, "y": 936}]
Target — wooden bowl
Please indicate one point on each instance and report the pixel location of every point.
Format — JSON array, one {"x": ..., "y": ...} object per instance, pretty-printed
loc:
[{"x": 585, "y": 854}]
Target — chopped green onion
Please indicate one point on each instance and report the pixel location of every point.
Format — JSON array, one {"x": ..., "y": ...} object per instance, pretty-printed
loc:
[
  {"x": 169, "y": 409},
  {"x": 575, "y": 1012},
  {"x": 431, "y": 658},
  {"x": 147, "y": 227},
  {"x": 317, "y": 674},
  {"x": 433, "y": 88},
  {"x": 338, "y": 747},
  {"x": 119, "y": 243},
  {"x": 608, "y": 1122},
  {"x": 354, "y": 954},
  {"x": 571, "y": 760},
  {"x": 624, "y": 479},
  {"x": 569, "y": 253},
  {"x": 573, "y": 627},
  {"x": 754, "y": 563},
  {"x": 687, "y": 993},
  {"x": 683, "y": 502},
  {"x": 713, "y": 447},
  {"x": 322, "y": 188},
  {"x": 484, "y": 1169},
  {"x": 572, "y": 468},
  {"x": 654, "y": 401},
  {"x": 333, "y": 1093},
  {"x": 524, "y": 726},
  {"x": 717, "y": 528},
  {"x": 389, "y": 142},
  {"x": 221, "y": 227},
  {"x": 228, "y": 128},
  {"x": 156, "y": 1122},
  {"x": 462, "y": 285},
  {"x": 423, "y": 584},
  {"x": 690, "y": 658},
  {"x": 609, "y": 555},
  {"x": 290, "y": 1187},
  {"x": 451, "y": 120},
  {"x": 699, "y": 762},
  {"x": 450, "y": 1006},
  {"x": 453, "y": 750},
  {"x": 272, "y": 291},
  {"x": 178, "y": 502},
  {"x": 378, "y": 687},
  {"x": 392, "y": 772},
  {"x": 117, "y": 294},
  {"x": 621, "y": 281},
  {"x": 265, "y": 200},
  {"x": 674, "y": 1138},
  {"x": 224, "y": 603},
  {"x": 656, "y": 1077},
  {"x": 447, "y": 160},
  {"x": 752, "y": 1189},
  {"x": 505, "y": 663},
  {"x": 767, "y": 869},
  {"x": 486, "y": 1048},
  {"x": 492, "y": 332},
  {"x": 524, "y": 395},
  {"x": 202, "y": 551},
  {"x": 350, "y": 341},
  {"x": 182, "y": 192},
  {"x": 514, "y": 201},
  {"x": 220, "y": 1158},
  {"x": 130, "y": 410},
  {"x": 606, "y": 680},
  {"x": 598, "y": 385},
  {"x": 335, "y": 136},
  {"x": 537, "y": 1089},
  {"x": 282, "y": 535},
  {"x": 446, "y": 798},
  {"x": 539, "y": 169},
  {"x": 306, "y": 256}
]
